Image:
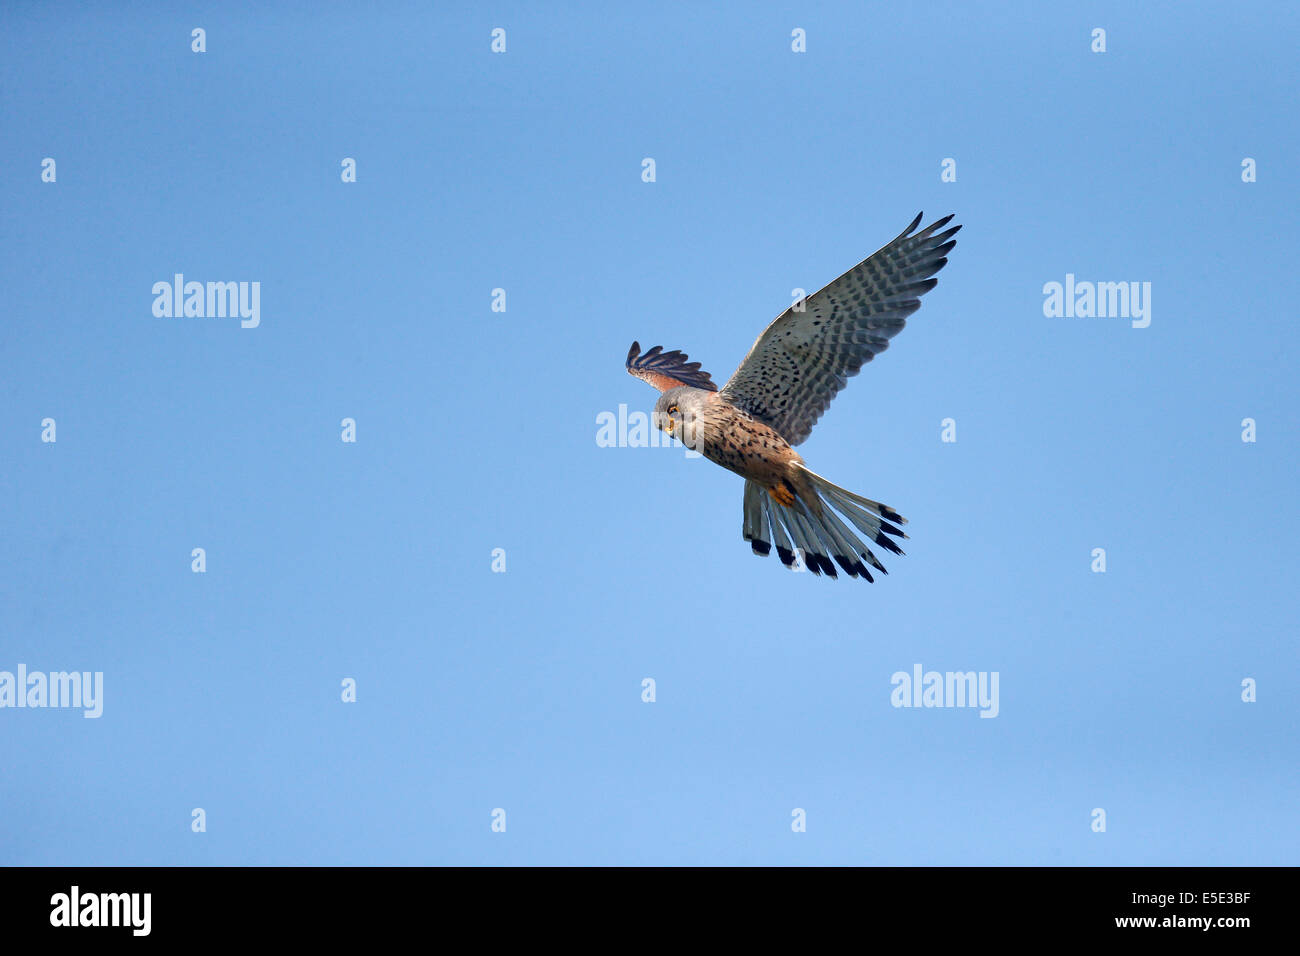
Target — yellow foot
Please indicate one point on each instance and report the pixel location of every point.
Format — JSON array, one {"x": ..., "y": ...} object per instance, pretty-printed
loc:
[{"x": 782, "y": 494}]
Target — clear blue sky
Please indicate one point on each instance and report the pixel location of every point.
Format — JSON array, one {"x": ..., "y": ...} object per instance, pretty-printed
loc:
[{"x": 477, "y": 430}]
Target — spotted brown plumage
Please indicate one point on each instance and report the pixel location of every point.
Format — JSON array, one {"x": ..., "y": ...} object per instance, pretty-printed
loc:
[{"x": 785, "y": 383}]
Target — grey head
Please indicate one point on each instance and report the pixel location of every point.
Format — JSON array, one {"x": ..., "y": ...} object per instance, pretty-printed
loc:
[{"x": 679, "y": 411}]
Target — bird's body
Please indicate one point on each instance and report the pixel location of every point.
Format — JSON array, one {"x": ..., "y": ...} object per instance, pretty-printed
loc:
[
  {"x": 727, "y": 436},
  {"x": 779, "y": 391}
]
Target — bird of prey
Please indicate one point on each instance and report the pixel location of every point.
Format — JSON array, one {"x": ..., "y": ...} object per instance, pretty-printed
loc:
[{"x": 787, "y": 380}]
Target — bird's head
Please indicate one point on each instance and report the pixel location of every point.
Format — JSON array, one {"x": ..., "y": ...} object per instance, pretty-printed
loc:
[{"x": 678, "y": 411}]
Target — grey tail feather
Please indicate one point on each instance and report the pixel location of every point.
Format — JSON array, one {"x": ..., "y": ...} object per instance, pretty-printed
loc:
[
  {"x": 814, "y": 548},
  {"x": 784, "y": 545},
  {"x": 821, "y": 538},
  {"x": 800, "y": 541},
  {"x": 872, "y": 518},
  {"x": 756, "y": 527}
]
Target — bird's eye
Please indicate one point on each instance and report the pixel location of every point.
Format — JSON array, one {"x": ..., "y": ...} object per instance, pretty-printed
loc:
[{"x": 672, "y": 409}]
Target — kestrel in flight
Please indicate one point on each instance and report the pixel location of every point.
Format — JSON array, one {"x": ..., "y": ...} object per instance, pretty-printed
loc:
[{"x": 787, "y": 380}]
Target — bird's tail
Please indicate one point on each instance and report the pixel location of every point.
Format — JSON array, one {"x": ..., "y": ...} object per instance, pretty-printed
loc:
[{"x": 810, "y": 526}]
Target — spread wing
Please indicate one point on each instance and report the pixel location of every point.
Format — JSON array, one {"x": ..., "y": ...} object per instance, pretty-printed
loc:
[
  {"x": 807, "y": 354},
  {"x": 665, "y": 370}
]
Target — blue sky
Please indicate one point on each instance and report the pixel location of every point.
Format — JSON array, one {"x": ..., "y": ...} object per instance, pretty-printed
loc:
[{"x": 476, "y": 430}]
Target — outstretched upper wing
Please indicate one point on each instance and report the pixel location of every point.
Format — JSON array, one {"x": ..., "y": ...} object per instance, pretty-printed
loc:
[
  {"x": 665, "y": 370},
  {"x": 805, "y": 357}
]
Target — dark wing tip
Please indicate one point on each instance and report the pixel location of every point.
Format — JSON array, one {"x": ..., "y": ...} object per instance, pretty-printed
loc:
[{"x": 664, "y": 369}]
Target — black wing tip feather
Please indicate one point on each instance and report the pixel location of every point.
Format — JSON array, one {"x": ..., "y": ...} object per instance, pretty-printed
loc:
[
  {"x": 921, "y": 286},
  {"x": 674, "y": 364},
  {"x": 929, "y": 231}
]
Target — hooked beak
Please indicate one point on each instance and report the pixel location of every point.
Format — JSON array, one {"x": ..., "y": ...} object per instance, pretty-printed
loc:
[{"x": 670, "y": 426}]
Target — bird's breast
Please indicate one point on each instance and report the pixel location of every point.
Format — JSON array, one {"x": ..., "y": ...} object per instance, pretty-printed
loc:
[{"x": 739, "y": 443}]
